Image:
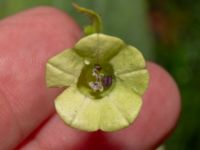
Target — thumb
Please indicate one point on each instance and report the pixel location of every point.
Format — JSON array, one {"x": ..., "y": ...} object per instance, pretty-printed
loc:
[{"x": 27, "y": 40}]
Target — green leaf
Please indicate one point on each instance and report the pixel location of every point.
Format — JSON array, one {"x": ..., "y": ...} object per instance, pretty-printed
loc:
[
  {"x": 63, "y": 69},
  {"x": 99, "y": 48}
]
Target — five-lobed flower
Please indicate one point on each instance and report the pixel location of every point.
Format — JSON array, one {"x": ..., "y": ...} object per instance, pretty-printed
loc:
[{"x": 105, "y": 80}]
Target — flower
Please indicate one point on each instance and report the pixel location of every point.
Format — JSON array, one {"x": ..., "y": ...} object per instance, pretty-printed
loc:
[{"x": 106, "y": 79}]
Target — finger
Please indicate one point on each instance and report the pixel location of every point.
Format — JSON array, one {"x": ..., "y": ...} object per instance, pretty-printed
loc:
[
  {"x": 158, "y": 117},
  {"x": 27, "y": 40}
]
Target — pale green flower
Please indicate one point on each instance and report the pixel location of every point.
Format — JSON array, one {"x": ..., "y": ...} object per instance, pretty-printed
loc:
[{"x": 105, "y": 80}]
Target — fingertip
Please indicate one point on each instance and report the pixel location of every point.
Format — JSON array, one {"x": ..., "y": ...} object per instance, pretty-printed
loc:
[
  {"x": 171, "y": 99},
  {"x": 162, "y": 79},
  {"x": 44, "y": 20},
  {"x": 161, "y": 108},
  {"x": 159, "y": 114}
]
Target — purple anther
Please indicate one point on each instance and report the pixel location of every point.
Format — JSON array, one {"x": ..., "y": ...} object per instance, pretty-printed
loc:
[{"x": 107, "y": 81}]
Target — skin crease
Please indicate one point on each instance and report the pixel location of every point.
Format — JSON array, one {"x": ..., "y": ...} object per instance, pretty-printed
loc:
[{"x": 27, "y": 118}]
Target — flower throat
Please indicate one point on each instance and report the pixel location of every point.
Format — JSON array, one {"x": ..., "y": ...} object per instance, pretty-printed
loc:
[
  {"x": 101, "y": 81},
  {"x": 96, "y": 80}
]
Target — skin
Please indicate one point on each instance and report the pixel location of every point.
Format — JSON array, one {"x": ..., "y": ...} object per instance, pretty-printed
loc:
[{"x": 27, "y": 118}]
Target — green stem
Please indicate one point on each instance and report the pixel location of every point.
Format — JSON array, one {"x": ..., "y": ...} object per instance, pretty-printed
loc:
[{"x": 95, "y": 18}]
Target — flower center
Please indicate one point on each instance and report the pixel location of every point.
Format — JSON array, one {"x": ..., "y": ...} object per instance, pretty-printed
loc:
[
  {"x": 101, "y": 80},
  {"x": 96, "y": 80}
]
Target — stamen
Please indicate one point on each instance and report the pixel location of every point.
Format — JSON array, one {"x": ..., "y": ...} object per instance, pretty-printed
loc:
[
  {"x": 101, "y": 81},
  {"x": 97, "y": 84}
]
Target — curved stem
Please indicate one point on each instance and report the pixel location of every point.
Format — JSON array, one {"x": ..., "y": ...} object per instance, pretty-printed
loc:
[{"x": 95, "y": 18}]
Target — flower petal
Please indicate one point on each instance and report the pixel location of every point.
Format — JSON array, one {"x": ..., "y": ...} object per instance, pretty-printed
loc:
[
  {"x": 110, "y": 113},
  {"x": 77, "y": 110},
  {"x": 127, "y": 60},
  {"x": 68, "y": 104},
  {"x": 88, "y": 116},
  {"x": 111, "y": 118},
  {"x": 99, "y": 48},
  {"x": 63, "y": 69},
  {"x": 136, "y": 80},
  {"x": 120, "y": 108}
]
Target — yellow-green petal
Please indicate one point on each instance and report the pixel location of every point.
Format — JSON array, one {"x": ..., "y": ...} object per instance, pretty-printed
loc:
[
  {"x": 136, "y": 80},
  {"x": 77, "y": 110},
  {"x": 120, "y": 108},
  {"x": 111, "y": 113},
  {"x": 63, "y": 69},
  {"x": 88, "y": 116},
  {"x": 111, "y": 117},
  {"x": 68, "y": 104},
  {"x": 99, "y": 48},
  {"x": 129, "y": 59}
]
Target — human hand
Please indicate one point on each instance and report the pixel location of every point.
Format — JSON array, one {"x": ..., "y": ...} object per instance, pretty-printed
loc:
[{"x": 27, "y": 118}]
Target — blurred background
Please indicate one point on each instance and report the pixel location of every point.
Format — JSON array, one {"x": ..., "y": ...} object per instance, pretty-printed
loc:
[{"x": 167, "y": 31}]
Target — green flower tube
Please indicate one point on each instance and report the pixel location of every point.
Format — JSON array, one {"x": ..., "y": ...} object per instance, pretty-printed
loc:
[{"x": 104, "y": 78}]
